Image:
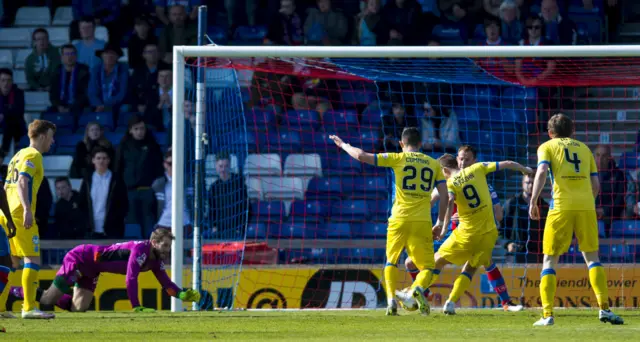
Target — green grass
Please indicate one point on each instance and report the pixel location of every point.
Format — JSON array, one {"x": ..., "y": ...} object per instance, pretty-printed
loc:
[{"x": 468, "y": 325}]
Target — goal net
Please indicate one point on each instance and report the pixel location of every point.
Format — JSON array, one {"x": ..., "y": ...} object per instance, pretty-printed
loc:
[{"x": 288, "y": 220}]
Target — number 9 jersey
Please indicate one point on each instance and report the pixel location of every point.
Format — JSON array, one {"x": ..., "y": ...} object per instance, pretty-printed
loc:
[
  {"x": 416, "y": 175},
  {"x": 571, "y": 165}
]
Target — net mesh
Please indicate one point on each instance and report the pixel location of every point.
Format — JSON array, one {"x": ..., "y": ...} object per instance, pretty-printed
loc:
[{"x": 307, "y": 224}]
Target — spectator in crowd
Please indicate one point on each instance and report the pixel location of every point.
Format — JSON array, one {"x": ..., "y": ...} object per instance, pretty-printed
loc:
[
  {"x": 392, "y": 126},
  {"x": 157, "y": 106},
  {"x": 69, "y": 84},
  {"x": 83, "y": 159},
  {"x": 178, "y": 32},
  {"x": 496, "y": 66},
  {"x": 104, "y": 12},
  {"x": 42, "y": 62},
  {"x": 139, "y": 161},
  {"x": 144, "y": 79},
  {"x": 104, "y": 198},
  {"x": 632, "y": 200},
  {"x": 137, "y": 45},
  {"x": 370, "y": 28},
  {"x": 491, "y": 8},
  {"x": 162, "y": 188},
  {"x": 325, "y": 26},
  {"x": 11, "y": 110},
  {"x": 250, "y": 6},
  {"x": 558, "y": 29},
  {"x": 610, "y": 201},
  {"x": 531, "y": 71},
  {"x": 108, "y": 85},
  {"x": 511, "y": 27},
  {"x": 465, "y": 13},
  {"x": 492, "y": 32},
  {"x": 286, "y": 28},
  {"x": 401, "y": 20},
  {"x": 434, "y": 128},
  {"x": 88, "y": 44},
  {"x": 524, "y": 236},
  {"x": 43, "y": 210},
  {"x": 164, "y": 6},
  {"x": 228, "y": 200},
  {"x": 69, "y": 214},
  {"x": 312, "y": 93},
  {"x": 272, "y": 88}
]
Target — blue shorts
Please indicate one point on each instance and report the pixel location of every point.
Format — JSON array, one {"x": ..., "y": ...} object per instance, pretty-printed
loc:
[{"x": 4, "y": 243}]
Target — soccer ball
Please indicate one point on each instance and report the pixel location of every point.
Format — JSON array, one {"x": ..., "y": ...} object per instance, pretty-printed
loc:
[{"x": 406, "y": 300}]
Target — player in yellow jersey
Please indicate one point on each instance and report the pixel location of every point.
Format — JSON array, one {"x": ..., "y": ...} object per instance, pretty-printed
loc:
[
  {"x": 574, "y": 178},
  {"x": 416, "y": 175},
  {"x": 472, "y": 243},
  {"x": 24, "y": 175}
]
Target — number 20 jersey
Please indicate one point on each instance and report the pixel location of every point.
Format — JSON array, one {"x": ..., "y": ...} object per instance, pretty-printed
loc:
[
  {"x": 416, "y": 175},
  {"x": 473, "y": 199},
  {"x": 571, "y": 165}
]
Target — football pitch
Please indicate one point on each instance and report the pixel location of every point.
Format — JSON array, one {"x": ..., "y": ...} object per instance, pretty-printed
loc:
[{"x": 352, "y": 325}]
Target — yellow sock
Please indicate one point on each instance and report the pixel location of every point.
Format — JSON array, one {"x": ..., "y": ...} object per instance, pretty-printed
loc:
[
  {"x": 425, "y": 278},
  {"x": 12, "y": 281},
  {"x": 390, "y": 281},
  {"x": 598, "y": 280},
  {"x": 459, "y": 286},
  {"x": 548, "y": 284},
  {"x": 30, "y": 285}
]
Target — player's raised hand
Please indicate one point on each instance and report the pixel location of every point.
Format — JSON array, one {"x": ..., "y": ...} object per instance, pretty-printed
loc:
[
  {"x": 28, "y": 218},
  {"x": 143, "y": 309},
  {"x": 534, "y": 212},
  {"x": 189, "y": 295},
  {"x": 336, "y": 139}
]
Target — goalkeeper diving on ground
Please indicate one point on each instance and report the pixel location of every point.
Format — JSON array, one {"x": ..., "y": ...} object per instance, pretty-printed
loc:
[{"x": 76, "y": 280}]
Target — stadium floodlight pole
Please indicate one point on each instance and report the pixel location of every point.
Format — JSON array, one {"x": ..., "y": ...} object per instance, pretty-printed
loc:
[
  {"x": 199, "y": 148},
  {"x": 177, "y": 170},
  {"x": 410, "y": 51}
]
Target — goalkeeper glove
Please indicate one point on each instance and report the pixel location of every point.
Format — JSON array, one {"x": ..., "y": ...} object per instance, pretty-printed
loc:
[
  {"x": 189, "y": 295},
  {"x": 143, "y": 309}
]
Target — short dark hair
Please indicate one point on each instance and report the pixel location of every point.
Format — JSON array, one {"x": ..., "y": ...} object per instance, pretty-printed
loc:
[
  {"x": 560, "y": 126},
  {"x": 63, "y": 179},
  {"x": 142, "y": 20},
  {"x": 491, "y": 21},
  {"x": 99, "y": 149},
  {"x": 6, "y": 71},
  {"x": 87, "y": 19},
  {"x": 448, "y": 161},
  {"x": 223, "y": 156},
  {"x": 39, "y": 30},
  {"x": 68, "y": 46},
  {"x": 411, "y": 136},
  {"x": 468, "y": 148}
]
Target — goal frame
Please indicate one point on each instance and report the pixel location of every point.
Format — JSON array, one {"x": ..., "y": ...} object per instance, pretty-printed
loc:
[{"x": 182, "y": 52}]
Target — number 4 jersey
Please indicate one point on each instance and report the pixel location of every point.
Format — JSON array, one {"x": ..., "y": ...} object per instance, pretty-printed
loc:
[
  {"x": 473, "y": 199},
  {"x": 571, "y": 165},
  {"x": 416, "y": 175}
]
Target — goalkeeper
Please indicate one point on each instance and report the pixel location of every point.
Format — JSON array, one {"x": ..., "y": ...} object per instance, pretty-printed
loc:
[{"x": 74, "y": 284}]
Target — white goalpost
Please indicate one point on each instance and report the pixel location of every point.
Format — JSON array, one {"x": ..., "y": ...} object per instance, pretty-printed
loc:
[{"x": 214, "y": 51}]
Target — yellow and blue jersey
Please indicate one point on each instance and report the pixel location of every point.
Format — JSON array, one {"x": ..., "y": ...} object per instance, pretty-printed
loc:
[
  {"x": 27, "y": 162},
  {"x": 571, "y": 165},
  {"x": 416, "y": 175}
]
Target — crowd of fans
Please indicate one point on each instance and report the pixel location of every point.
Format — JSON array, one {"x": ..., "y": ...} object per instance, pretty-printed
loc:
[{"x": 131, "y": 183}]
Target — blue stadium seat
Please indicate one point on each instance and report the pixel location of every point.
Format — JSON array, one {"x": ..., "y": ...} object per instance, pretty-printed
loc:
[
  {"x": 601, "y": 230},
  {"x": 519, "y": 97},
  {"x": 572, "y": 256},
  {"x": 592, "y": 22},
  {"x": 114, "y": 137},
  {"x": 339, "y": 121},
  {"x": 615, "y": 253},
  {"x": 161, "y": 138},
  {"x": 132, "y": 231},
  {"x": 350, "y": 211},
  {"x": 105, "y": 119},
  {"x": 249, "y": 139},
  {"x": 369, "y": 140},
  {"x": 630, "y": 161},
  {"x": 481, "y": 96},
  {"x": 301, "y": 119},
  {"x": 260, "y": 119},
  {"x": 288, "y": 231},
  {"x": 625, "y": 229},
  {"x": 123, "y": 119},
  {"x": 449, "y": 35},
  {"x": 338, "y": 230},
  {"x": 369, "y": 230},
  {"x": 268, "y": 211},
  {"x": 317, "y": 142},
  {"x": 352, "y": 98},
  {"x": 256, "y": 231},
  {"x": 66, "y": 144},
  {"x": 380, "y": 210},
  {"x": 218, "y": 34},
  {"x": 309, "y": 211},
  {"x": 324, "y": 189},
  {"x": 371, "y": 188},
  {"x": 283, "y": 141},
  {"x": 342, "y": 164},
  {"x": 250, "y": 35},
  {"x": 358, "y": 256},
  {"x": 62, "y": 120}
]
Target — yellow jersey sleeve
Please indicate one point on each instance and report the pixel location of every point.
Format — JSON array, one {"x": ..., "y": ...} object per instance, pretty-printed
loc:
[
  {"x": 29, "y": 165},
  {"x": 485, "y": 167},
  {"x": 544, "y": 155},
  {"x": 388, "y": 159}
]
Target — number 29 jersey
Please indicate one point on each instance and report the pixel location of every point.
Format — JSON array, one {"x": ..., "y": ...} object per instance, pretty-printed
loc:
[
  {"x": 416, "y": 175},
  {"x": 571, "y": 165},
  {"x": 473, "y": 199}
]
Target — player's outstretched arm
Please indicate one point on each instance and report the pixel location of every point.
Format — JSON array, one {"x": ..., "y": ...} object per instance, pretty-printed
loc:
[
  {"x": 4, "y": 206},
  {"x": 131, "y": 279},
  {"x": 354, "y": 152},
  {"x": 435, "y": 195},
  {"x": 538, "y": 184},
  {"x": 511, "y": 165},
  {"x": 450, "y": 202}
]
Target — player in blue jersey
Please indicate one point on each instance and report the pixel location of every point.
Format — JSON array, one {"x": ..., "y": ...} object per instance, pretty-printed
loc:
[
  {"x": 72, "y": 288},
  {"x": 465, "y": 158}
]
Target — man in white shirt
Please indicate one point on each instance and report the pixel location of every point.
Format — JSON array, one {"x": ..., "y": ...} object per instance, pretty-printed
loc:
[{"x": 162, "y": 188}]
